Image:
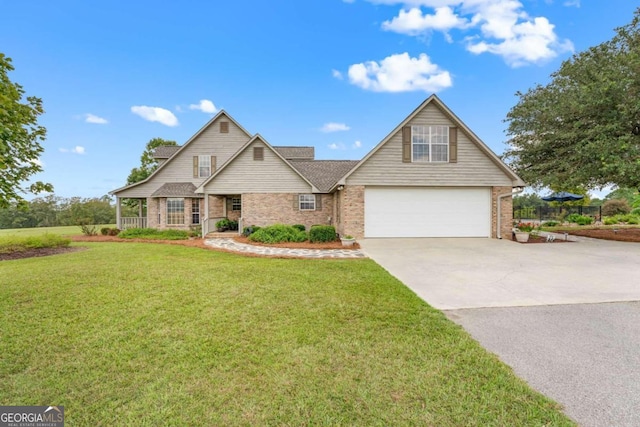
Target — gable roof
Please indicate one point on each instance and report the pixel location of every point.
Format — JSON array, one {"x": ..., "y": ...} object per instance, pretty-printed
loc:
[
  {"x": 433, "y": 99},
  {"x": 165, "y": 151},
  {"x": 324, "y": 174},
  {"x": 256, "y": 137},
  {"x": 176, "y": 189},
  {"x": 296, "y": 153},
  {"x": 183, "y": 146}
]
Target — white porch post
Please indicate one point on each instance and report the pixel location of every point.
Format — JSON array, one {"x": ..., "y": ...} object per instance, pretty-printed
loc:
[
  {"x": 140, "y": 208},
  {"x": 224, "y": 206},
  {"x": 118, "y": 219},
  {"x": 205, "y": 222}
]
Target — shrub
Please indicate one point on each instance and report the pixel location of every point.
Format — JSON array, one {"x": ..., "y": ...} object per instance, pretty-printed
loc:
[
  {"x": 635, "y": 211},
  {"x": 299, "y": 227},
  {"x": 114, "y": 231},
  {"x": 278, "y": 233},
  {"x": 105, "y": 231},
  {"x": 248, "y": 231},
  {"x": 195, "y": 231},
  {"x": 615, "y": 207},
  {"x": 584, "y": 220},
  {"x": 572, "y": 218},
  {"x": 322, "y": 233},
  {"x": 13, "y": 244},
  {"x": 89, "y": 230},
  {"x": 152, "y": 233},
  {"x": 233, "y": 225},
  {"x": 223, "y": 224},
  {"x": 634, "y": 220},
  {"x": 551, "y": 223},
  {"x": 610, "y": 220}
]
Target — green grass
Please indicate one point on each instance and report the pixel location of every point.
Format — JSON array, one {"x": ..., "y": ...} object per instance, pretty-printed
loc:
[
  {"x": 69, "y": 230},
  {"x": 152, "y": 233},
  {"x": 9, "y": 243},
  {"x": 146, "y": 334}
]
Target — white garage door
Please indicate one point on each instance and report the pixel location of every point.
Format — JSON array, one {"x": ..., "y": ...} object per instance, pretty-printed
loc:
[{"x": 427, "y": 212}]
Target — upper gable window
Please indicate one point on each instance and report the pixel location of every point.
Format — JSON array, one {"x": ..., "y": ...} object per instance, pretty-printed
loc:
[
  {"x": 258, "y": 153},
  {"x": 204, "y": 166},
  {"x": 429, "y": 143},
  {"x": 224, "y": 127}
]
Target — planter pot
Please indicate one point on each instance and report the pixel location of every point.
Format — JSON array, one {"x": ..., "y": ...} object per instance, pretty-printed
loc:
[
  {"x": 522, "y": 236},
  {"x": 347, "y": 242}
]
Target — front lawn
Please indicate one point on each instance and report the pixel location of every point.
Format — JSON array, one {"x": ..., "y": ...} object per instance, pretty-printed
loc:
[
  {"x": 147, "y": 334},
  {"x": 67, "y": 230}
]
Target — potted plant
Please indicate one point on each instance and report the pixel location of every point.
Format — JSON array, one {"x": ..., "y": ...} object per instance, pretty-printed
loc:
[
  {"x": 347, "y": 241},
  {"x": 522, "y": 231},
  {"x": 223, "y": 225}
]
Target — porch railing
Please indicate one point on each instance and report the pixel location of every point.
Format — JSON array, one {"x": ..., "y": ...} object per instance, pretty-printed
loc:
[
  {"x": 133, "y": 222},
  {"x": 209, "y": 225}
]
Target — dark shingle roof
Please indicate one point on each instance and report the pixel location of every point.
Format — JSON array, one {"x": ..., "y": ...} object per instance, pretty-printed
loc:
[
  {"x": 165, "y": 151},
  {"x": 323, "y": 174},
  {"x": 296, "y": 153},
  {"x": 176, "y": 189}
]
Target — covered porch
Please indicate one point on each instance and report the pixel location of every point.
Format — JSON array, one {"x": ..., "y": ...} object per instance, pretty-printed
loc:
[
  {"x": 221, "y": 206},
  {"x": 125, "y": 222}
]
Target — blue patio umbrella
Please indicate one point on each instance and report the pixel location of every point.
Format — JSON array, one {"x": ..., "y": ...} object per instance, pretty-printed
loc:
[{"x": 562, "y": 196}]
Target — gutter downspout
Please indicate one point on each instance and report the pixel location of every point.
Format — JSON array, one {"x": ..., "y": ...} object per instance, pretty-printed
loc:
[{"x": 500, "y": 197}]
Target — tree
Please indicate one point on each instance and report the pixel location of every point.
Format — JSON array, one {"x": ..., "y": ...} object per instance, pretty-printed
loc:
[
  {"x": 20, "y": 137},
  {"x": 148, "y": 163},
  {"x": 583, "y": 128}
]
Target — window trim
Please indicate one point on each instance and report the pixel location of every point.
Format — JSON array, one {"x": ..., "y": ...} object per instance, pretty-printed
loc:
[
  {"x": 234, "y": 204},
  {"x": 309, "y": 199},
  {"x": 172, "y": 214},
  {"x": 207, "y": 160},
  {"x": 195, "y": 203},
  {"x": 429, "y": 136}
]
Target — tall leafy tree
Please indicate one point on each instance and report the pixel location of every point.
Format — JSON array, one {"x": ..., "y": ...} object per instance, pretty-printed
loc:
[
  {"x": 20, "y": 138},
  {"x": 582, "y": 129},
  {"x": 148, "y": 163}
]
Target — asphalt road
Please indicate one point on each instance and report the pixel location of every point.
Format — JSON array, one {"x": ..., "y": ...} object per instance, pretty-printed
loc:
[{"x": 585, "y": 356}]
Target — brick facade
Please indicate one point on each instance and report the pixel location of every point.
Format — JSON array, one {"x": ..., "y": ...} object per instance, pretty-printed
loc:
[
  {"x": 352, "y": 207},
  {"x": 506, "y": 212},
  {"x": 157, "y": 213},
  {"x": 263, "y": 209}
]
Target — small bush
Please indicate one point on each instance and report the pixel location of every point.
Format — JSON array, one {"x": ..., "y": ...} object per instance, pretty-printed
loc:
[
  {"x": 634, "y": 220},
  {"x": 195, "y": 231},
  {"x": 610, "y": 220},
  {"x": 572, "y": 218},
  {"x": 584, "y": 220},
  {"x": 114, "y": 231},
  {"x": 299, "y": 227},
  {"x": 635, "y": 211},
  {"x": 152, "y": 233},
  {"x": 550, "y": 223},
  {"x": 615, "y": 206},
  {"x": 278, "y": 233},
  {"x": 105, "y": 231},
  {"x": 322, "y": 233},
  {"x": 248, "y": 231},
  {"x": 89, "y": 230},
  {"x": 13, "y": 244}
]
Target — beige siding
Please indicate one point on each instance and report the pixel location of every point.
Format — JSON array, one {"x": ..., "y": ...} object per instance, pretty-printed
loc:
[
  {"x": 245, "y": 175},
  {"x": 385, "y": 166},
  {"x": 180, "y": 169}
]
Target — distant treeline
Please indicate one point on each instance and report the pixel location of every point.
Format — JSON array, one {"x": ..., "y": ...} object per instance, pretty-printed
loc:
[{"x": 52, "y": 211}]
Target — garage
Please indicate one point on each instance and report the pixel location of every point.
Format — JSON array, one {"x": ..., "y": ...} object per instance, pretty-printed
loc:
[{"x": 427, "y": 212}]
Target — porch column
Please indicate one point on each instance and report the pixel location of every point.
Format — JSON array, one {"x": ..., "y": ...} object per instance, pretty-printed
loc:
[
  {"x": 118, "y": 220},
  {"x": 205, "y": 221},
  {"x": 140, "y": 208},
  {"x": 224, "y": 206}
]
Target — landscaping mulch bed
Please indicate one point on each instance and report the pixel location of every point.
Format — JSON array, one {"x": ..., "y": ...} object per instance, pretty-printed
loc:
[
  {"x": 620, "y": 234},
  {"x": 30, "y": 253},
  {"x": 199, "y": 243}
]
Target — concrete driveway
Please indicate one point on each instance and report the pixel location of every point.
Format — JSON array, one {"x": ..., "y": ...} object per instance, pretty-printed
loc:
[
  {"x": 472, "y": 273},
  {"x": 564, "y": 316}
]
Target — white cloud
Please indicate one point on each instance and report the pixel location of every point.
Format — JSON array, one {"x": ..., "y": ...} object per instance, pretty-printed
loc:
[
  {"x": 336, "y": 74},
  {"x": 413, "y": 22},
  {"x": 91, "y": 118},
  {"x": 155, "y": 114},
  {"x": 334, "y": 127},
  {"x": 357, "y": 144},
  {"x": 530, "y": 42},
  {"x": 400, "y": 73},
  {"x": 205, "y": 105},
  {"x": 78, "y": 149},
  {"x": 336, "y": 146},
  {"x": 500, "y": 27}
]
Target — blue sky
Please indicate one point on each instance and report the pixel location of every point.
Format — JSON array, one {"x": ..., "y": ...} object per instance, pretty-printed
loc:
[{"x": 335, "y": 74}]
